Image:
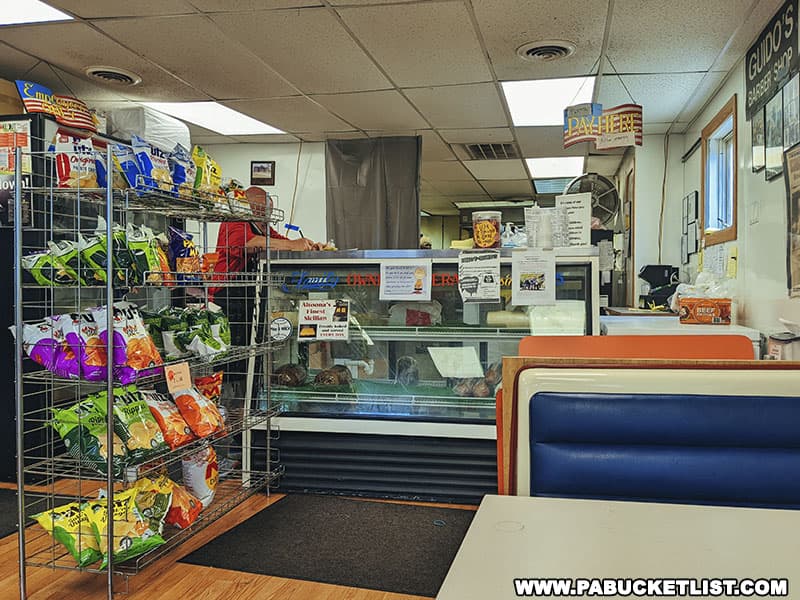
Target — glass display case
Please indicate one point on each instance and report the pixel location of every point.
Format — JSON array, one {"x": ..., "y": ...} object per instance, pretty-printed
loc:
[{"x": 385, "y": 369}]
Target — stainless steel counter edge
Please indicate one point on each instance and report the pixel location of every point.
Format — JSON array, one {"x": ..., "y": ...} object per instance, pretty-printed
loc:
[{"x": 445, "y": 256}]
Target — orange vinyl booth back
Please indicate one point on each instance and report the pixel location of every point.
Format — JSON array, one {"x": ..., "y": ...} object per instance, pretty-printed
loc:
[{"x": 722, "y": 347}]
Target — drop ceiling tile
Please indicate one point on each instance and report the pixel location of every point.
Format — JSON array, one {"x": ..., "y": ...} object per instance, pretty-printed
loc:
[
  {"x": 421, "y": 44},
  {"x": 459, "y": 188},
  {"x": 660, "y": 128},
  {"x": 460, "y": 106},
  {"x": 540, "y": 142},
  {"x": 292, "y": 115},
  {"x": 604, "y": 165},
  {"x": 507, "y": 24},
  {"x": 494, "y": 135},
  {"x": 707, "y": 87},
  {"x": 123, "y": 8},
  {"x": 763, "y": 10},
  {"x": 13, "y": 63},
  {"x": 331, "y": 135},
  {"x": 662, "y": 95},
  {"x": 433, "y": 148},
  {"x": 385, "y": 110},
  {"x": 508, "y": 189},
  {"x": 672, "y": 37},
  {"x": 247, "y": 5},
  {"x": 445, "y": 170},
  {"x": 88, "y": 91},
  {"x": 497, "y": 169},
  {"x": 309, "y": 47},
  {"x": 210, "y": 140},
  {"x": 284, "y": 138},
  {"x": 368, "y": 2},
  {"x": 227, "y": 75},
  {"x": 73, "y": 46}
]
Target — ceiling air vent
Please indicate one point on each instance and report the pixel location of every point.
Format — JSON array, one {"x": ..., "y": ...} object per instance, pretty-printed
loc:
[
  {"x": 113, "y": 75},
  {"x": 546, "y": 50},
  {"x": 490, "y": 151}
]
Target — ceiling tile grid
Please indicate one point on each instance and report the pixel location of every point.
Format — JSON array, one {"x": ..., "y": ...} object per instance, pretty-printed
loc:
[
  {"x": 661, "y": 95},
  {"x": 385, "y": 110},
  {"x": 460, "y": 106},
  {"x": 497, "y": 169},
  {"x": 421, "y": 44},
  {"x": 292, "y": 115},
  {"x": 88, "y": 9}
]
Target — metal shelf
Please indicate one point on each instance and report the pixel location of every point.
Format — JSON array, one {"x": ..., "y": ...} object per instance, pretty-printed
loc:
[{"x": 393, "y": 333}]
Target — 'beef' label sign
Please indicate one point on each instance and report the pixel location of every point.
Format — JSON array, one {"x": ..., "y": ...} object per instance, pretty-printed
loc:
[{"x": 772, "y": 59}]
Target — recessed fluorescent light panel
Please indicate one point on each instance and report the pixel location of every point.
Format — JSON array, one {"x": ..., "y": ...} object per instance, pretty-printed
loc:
[
  {"x": 15, "y": 12},
  {"x": 557, "y": 166},
  {"x": 214, "y": 116},
  {"x": 493, "y": 204},
  {"x": 542, "y": 101}
]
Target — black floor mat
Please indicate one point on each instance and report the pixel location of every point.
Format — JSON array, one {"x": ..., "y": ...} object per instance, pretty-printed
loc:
[
  {"x": 391, "y": 547},
  {"x": 8, "y": 512}
]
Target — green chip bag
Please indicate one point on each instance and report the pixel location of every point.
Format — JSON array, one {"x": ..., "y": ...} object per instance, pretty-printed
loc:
[
  {"x": 83, "y": 429},
  {"x": 133, "y": 423},
  {"x": 42, "y": 269},
  {"x": 94, "y": 257},
  {"x": 141, "y": 243},
  {"x": 70, "y": 525},
  {"x": 66, "y": 254}
]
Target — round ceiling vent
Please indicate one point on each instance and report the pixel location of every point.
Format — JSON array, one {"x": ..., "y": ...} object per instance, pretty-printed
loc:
[
  {"x": 546, "y": 50},
  {"x": 113, "y": 75}
]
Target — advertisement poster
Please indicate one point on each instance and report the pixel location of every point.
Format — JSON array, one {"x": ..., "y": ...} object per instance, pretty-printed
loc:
[
  {"x": 533, "y": 277},
  {"x": 66, "y": 110},
  {"x": 406, "y": 280},
  {"x": 479, "y": 276},
  {"x": 320, "y": 320},
  {"x": 610, "y": 128},
  {"x": 792, "y": 179}
]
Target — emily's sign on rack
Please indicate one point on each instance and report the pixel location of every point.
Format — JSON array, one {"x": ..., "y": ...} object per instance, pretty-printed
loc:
[
  {"x": 65, "y": 109},
  {"x": 772, "y": 59}
]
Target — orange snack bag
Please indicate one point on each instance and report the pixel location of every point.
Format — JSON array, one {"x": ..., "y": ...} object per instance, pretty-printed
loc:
[
  {"x": 174, "y": 427},
  {"x": 200, "y": 413},
  {"x": 184, "y": 508},
  {"x": 210, "y": 386}
]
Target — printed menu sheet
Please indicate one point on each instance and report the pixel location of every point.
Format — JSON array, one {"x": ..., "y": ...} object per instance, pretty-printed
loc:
[{"x": 479, "y": 276}]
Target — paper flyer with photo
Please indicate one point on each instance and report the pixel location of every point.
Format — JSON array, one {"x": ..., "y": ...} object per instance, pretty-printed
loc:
[
  {"x": 578, "y": 209},
  {"x": 406, "y": 279},
  {"x": 320, "y": 320},
  {"x": 533, "y": 277},
  {"x": 479, "y": 276}
]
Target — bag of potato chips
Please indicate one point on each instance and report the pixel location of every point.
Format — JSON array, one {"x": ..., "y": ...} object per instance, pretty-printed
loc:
[
  {"x": 135, "y": 354},
  {"x": 69, "y": 525},
  {"x": 134, "y": 423},
  {"x": 125, "y": 162},
  {"x": 142, "y": 245},
  {"x": 66, "y": 255},
  {"x": 153, "y": 164},
  {"x": 45, "y": 269},
  {"x": 75, "y": 166},
  {"x": 84, "y": 432},
  {"x": 173, "y": 426},
  {"x": 183, "y": 170},
  {"x": 201, "y": 474},
  {"x": 200, "y": 413}
]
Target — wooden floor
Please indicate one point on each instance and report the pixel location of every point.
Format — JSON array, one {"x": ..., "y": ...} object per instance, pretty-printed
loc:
[{"x": 168, "y": 579}]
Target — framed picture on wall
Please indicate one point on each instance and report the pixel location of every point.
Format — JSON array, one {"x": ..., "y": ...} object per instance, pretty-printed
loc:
[
  {"x": 773, "y": 133},
  {"x": 791, "y": 178},
  {"x": 791, "y": 112},
  {"x": 757, "y": 129},
  {"x": 684, "y": 249},
  {"x": 262, "y": 172},
  {"x": 691, "y": 207}
]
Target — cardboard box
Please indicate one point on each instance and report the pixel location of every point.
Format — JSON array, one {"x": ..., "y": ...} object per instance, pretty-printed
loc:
[
  {"x": 705, "y": 311},
  {"x": 10, "y": 104}
]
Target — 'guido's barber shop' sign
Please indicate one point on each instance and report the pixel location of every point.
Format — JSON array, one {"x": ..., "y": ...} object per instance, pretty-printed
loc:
[{"x": 772, "y": 59}]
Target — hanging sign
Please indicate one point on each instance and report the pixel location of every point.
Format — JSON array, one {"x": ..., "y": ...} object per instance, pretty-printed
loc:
[
  {"x": 611, "y": 128},
  {"x": 772, "y": 59},
  {"x": 66, "y": 110}
]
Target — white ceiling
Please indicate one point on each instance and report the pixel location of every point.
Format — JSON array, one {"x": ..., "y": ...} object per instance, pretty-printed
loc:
[{"x": 322, "y": 69}]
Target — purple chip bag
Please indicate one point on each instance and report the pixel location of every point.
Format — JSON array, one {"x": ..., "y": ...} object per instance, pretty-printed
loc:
[
  {"x": 66, "y": 361},
  {"x": 82, "y": 340},
  {"x": 39, "y": 343},
  {"x": 134, "y": 353}
]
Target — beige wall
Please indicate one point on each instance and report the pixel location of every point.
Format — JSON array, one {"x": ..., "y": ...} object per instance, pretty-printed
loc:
[{"x": 441, "y": 229}]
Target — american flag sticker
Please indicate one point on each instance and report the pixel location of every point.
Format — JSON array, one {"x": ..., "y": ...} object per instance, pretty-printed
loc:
[{"x": 67, "y": 110}]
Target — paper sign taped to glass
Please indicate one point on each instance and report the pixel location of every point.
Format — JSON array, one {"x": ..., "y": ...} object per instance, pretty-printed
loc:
[
  {"x": 479, "y": 276},
  {"x": 321, "y": 320},
  {"x": 533, "y": 277}
]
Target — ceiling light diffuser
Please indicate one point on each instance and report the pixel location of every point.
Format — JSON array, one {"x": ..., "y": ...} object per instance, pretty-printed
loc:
[
  {"x": 494, "y": 204},
  {"x": 30, "y": 11},
  {"x": 556, "y": 166},
  {"x": 214, "y": 116},
  {"x": 542, "y": 101}
]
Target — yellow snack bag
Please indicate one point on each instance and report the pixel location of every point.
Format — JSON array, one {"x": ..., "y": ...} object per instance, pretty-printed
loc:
[{"x": 71, "y": 526}]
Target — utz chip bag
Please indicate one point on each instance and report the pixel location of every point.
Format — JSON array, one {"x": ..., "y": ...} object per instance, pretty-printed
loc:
[
  {"x": 82, "y": 340},
  {"x": 125, "y": 162},
  {"x": 141, "y": 243},
  {"x": 138, "y": 517},
  {"x": 67, "y": 362},
  {"x": 183, "y": 170},
  {"x": 117, "y": 179},
  {"x": 134, "y": 353},
  {"x": 200, "y": 413},
  {"x": 184, "y": 256},
  {"x": 84, "y": 433},
  {"x": 210, "y": 386},
  {"x": 202, "y": 182},
  {"x": 184, "y": 509},
  {"x": 69, "y": 524},
  {"x": 75, "y": 166},
  {"x": 42, "y": 268},
  {"x": 173, "y": 426},
  {"x": 125, "y": 271},
  {"x": 200, "y": 474},
  {"x": 94, "y": 259},
  {"x": 41, "y": 342},
  {"x": 67, "y": 256},
  {"x": 134, "y": 423},
  {"x": 153, "y": 164}
]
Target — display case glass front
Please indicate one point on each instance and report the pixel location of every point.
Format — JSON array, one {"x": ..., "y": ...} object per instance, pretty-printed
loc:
[{"x": 436, "y": 360}]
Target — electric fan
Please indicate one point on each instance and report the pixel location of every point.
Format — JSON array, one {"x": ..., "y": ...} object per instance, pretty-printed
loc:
[{"x": 605, "y": 199}]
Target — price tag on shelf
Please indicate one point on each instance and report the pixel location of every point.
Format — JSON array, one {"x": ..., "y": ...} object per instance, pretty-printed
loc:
[{"x": 178, "y": 377}]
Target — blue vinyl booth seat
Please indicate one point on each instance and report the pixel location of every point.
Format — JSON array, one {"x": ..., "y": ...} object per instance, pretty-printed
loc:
[{"x": 690, "y": 449}]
